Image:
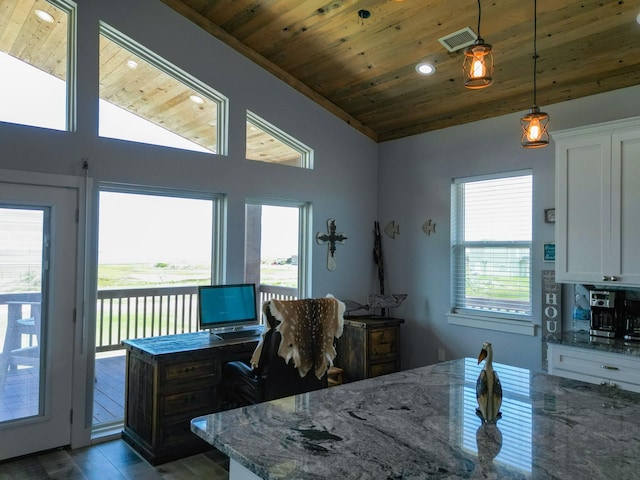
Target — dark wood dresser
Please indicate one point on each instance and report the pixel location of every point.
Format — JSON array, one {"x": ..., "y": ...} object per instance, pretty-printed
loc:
[
  {"x": 170, "y": 380},
  {"x": 369, "y": 347}
]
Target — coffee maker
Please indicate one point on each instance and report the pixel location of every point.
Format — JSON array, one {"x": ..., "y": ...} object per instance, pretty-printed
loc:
[
  {"x": 632, "y": 320},
  {"x": 607, "y": 319}
]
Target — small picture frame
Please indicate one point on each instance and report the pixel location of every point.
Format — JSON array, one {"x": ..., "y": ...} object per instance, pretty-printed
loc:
[
  {"x": 549, "y": 215},
  {"x": 549, "y": 252}
]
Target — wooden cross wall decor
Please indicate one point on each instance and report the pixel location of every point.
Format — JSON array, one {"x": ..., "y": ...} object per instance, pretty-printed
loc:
[{"x": 331, "y": 239}]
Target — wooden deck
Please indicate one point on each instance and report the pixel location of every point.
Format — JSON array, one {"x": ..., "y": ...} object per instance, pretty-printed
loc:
[
  {"x": 20, "y": 396},
  {"x": 108, "y": 397}
]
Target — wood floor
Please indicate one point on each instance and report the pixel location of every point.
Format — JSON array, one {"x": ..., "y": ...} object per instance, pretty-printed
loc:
[{"x": 113, "y": 460}]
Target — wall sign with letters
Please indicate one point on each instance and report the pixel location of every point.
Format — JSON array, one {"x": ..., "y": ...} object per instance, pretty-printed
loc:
[{"x": 551, "y": 311}]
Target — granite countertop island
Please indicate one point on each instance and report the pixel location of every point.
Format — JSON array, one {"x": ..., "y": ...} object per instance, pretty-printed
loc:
[{"x": 421, "y": 423}]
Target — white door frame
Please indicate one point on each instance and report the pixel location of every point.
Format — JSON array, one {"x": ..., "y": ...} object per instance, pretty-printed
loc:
[{"x": 83, "y": 342}]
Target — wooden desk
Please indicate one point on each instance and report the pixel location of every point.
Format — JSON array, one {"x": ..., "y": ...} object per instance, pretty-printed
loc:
[{"x": 170, "y": 380}]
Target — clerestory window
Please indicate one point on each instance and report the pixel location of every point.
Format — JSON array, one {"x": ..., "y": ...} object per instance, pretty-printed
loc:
[
  {"x": 144, "y": 98},
  {"x": 36, "y": 38},
  {"x": 267, "y": 143}
]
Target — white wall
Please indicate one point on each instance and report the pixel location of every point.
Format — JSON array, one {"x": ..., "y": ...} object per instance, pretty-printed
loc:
[
  {"x": 342, "y": 185},
  {"x": 410, "y": 184},
  {"x": 414, "y": 186}
]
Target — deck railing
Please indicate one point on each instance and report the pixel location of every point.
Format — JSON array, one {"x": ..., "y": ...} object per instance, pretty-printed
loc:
[
  {"x": 143, "y": 312},
  {"x": 147, "y": 312}
]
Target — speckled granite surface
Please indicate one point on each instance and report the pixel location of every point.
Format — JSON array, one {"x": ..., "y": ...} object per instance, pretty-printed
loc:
[
  {"x": 582, "y": 339},
  {"x": 421, "y": 423}
]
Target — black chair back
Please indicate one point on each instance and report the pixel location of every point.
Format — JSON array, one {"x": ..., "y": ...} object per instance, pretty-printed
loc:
[{"x": 273, "y": 378}]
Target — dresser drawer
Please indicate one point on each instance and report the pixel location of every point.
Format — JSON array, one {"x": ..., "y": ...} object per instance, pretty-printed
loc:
[
  {"x": 208, "y": 366},
  {"x": 377, "y": 369},
  {"x": 383, "y": 343}
]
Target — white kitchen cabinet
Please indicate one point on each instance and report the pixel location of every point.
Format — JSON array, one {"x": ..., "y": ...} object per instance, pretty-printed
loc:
[
  {"x": 598, "y": 204},
  {"x": 615, "y": 370}
]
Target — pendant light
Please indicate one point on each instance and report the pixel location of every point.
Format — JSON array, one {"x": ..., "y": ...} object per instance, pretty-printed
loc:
[
  {"x": 478, "y": 62},
  {"x": 534, "y": 124}
]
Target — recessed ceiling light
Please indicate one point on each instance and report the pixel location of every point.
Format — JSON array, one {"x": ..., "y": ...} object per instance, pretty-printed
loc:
[
  {"x": 132, "y": 64},
  {"x": 425, "y": 68},
  {"x": 638, "y": 18},
  {"x": 42, "y": 15},
  {"x": 196, "y": 99}
]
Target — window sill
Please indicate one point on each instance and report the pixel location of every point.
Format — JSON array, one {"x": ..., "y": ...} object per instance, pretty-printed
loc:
[{"x": 519, "y": 327}]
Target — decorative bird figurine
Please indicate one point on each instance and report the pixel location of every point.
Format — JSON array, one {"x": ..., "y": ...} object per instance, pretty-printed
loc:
[{"x": 488, "y": 388}]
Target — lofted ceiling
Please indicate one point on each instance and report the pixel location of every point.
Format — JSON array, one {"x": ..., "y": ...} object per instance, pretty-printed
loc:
[{"x": 363, "y": 69}]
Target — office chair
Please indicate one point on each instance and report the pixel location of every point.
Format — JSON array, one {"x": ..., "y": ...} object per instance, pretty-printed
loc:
[{"x": 298, "y": 364}]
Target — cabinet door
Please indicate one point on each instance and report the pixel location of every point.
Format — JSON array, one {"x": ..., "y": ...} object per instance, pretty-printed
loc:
[
  {"x": 625, "y": 208},
  {"x": 583, "y": 219}
]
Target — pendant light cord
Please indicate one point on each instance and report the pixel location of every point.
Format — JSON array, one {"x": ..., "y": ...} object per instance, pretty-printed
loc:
[
  {"x": 535, "y": 49},
  {"x": 479, "y": 15}
]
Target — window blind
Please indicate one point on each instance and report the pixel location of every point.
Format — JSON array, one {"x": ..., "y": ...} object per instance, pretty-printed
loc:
[{"x": 491, "y": 244}]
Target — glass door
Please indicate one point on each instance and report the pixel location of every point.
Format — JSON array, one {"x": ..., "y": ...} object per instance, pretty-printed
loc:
[{"x": 38, "y": 237}]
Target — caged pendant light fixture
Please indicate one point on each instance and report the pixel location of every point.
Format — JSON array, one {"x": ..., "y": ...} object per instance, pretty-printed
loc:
[
  {"x": 534, "y": 124},
  {"x": 478, "y": 62}
]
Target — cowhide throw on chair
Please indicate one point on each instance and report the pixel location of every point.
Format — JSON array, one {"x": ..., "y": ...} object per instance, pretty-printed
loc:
[{"x": 308, "y": 328}]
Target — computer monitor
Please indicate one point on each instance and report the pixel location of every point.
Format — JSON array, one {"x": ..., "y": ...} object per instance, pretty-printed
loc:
[{"x": 227, "y": 308}]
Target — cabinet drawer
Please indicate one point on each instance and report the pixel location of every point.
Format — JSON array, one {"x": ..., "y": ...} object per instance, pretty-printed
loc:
[
  {"x": 378, "y": 369},
  {"x": 595, "y": 367},
  {"x": 186, "y": 370},
  {"x": 383, "y": 342},
  {"x": 188, "y": 402}
]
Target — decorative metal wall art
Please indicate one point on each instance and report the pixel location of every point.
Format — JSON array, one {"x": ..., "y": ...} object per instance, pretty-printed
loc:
[
  {"x": 392, "y": 229},
  {"x": 331, "y": 239},
  {"x": 429, "y": 227}
]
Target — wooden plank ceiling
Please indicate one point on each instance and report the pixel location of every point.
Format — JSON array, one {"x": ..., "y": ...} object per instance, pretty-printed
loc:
[{"x": 363, "y": 70}]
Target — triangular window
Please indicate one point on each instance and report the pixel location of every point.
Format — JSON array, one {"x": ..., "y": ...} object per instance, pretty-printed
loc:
[{"x": 267, "y": 143}]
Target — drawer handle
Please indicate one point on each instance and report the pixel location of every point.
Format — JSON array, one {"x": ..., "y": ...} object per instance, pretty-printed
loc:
[{"x": 609, "y": 367}]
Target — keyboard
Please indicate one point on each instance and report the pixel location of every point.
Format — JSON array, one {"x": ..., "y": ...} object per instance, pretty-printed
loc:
[{"x": 239, "y": 334}]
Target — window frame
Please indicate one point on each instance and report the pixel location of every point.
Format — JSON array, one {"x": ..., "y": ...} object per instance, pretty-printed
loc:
[
  {"x": 219, "y": 223},
  {"x": 305, "y": 237},
  {"x": 222, "y": 102},
  {"x": 69, "y": 8},
  {"x": 485, "y": 319},
  {"x": 306, "y": 153}
]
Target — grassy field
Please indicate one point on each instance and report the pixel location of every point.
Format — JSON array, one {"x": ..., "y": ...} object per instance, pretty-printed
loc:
[
  {"x": 165, "y": 274},
  {"x": 509, "y": 288}
]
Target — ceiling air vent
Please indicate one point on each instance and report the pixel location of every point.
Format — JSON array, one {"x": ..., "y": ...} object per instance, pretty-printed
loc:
[{"x": 460, "y": 39}]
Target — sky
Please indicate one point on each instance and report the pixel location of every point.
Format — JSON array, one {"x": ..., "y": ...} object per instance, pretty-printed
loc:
[{"x": 149, "y": 229}]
